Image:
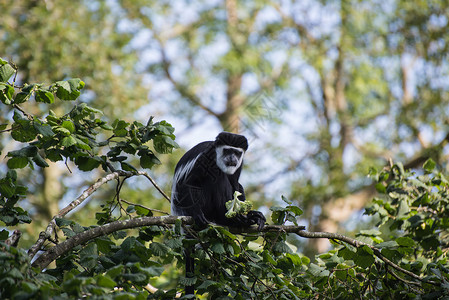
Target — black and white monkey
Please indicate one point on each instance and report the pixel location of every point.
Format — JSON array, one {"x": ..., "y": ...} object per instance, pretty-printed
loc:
[{"x": 206, "y": 177}]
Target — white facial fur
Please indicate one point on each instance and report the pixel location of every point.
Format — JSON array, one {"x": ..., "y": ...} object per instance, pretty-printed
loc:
[{"x": 220, "y": 160}]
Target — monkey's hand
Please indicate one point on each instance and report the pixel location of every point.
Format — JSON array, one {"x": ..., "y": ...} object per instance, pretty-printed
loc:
[{"x": 256, "y": 217}]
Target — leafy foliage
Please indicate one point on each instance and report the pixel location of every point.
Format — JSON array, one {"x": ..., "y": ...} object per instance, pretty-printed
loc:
[
  {"x": 408, "y": 261},
  {"x": 405, "y": 256},
  {"x": 79, "y": 136}
]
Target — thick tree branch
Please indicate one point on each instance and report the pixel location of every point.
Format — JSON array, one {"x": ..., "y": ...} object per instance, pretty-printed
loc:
[{"x": 53, "y": 253}]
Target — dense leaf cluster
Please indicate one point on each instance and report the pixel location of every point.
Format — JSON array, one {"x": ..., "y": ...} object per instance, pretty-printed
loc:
[
  {"x": 404, "y": 256},
  {"x": 79, "y": 136}
]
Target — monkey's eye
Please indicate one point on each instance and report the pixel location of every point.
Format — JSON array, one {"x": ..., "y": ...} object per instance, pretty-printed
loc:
[
  {"x": 238, "y": 154},
  {"x": 230, "y": 151}
]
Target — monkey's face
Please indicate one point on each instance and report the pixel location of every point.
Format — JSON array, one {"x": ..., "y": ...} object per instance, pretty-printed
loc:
[{"x": 229, "y": 158}]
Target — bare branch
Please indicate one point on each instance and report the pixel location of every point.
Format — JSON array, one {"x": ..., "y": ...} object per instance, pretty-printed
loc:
[
  {"x": 53, "y": 253},
  {"x": 13, "y": 240},
  {"x": 143, "y": 206},
  {"x": 29, "y": 117},
  {"x": 154, "y": 184},
  {"x": 44, "y": 235}
]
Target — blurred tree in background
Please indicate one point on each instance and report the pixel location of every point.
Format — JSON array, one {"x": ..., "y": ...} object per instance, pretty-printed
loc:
[{"x": 323, "y": 89}]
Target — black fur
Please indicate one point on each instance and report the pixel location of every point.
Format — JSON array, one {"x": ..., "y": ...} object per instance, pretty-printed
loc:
[{"x": 201, "y": 189}]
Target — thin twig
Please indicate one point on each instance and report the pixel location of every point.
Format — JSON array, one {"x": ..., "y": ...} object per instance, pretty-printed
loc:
[
  {"x": 30, "y": 117},
  {"x": 357, "y": 244},
  {"x": 44, "y": 235},
  {"x": 154, "y": 184},
  {"x": 143, "y": 206}
]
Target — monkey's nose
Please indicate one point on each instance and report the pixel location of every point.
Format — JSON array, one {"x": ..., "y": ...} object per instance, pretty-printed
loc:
[{"x": 231, "y": 162}]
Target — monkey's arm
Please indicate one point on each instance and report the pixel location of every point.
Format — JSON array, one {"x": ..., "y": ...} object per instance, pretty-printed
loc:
[
  {"x": 254, "y": 216},
  {"x": 191, "y": 194}
]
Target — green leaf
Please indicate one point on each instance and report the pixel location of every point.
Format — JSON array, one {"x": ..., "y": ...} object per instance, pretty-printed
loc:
[
  {"x": 17, "y": 162},
  {"x": 186, "y": 281},
  {"x": 61, "y": 130},
  {"x": 153, "y": 271},
  {"x": 286, "y": 200},
  {"x": 89, "y": 256},
  {"x": 7, "y": 188},
  {"x": 43, "y": 129},
  {"x": 82, "y": 145},
  {"x": 208, "y": 283},
  {"x": 28, "y": 151},
  {"x": 61, "y": 222},
  {"x": 141, "y": 211},
  {"x": 218, "y": 248},
  {"x": 127, "y": 167},
  {"x": 370, "y": 232},
  {"x": 21, "y": 97},
  {"x": 53, "y": 154},
  {"x": 429, "y": 165},
  {"x": 6, "y": 71},
  {"x": 68, "y": 141},
  {"x": 93, "y": 110},
  {"x": 282, "y": 247},
  {"x": 388, "y": 245},
  {"x": 296, "y": 210},
  {"x": 318, "y": 271},
  {"x": 105, "y": 281},
  {"x": 40, "y": 161},
  {"x": 69, "y": 89},
  {"x": 68, "y": 125},
  {"x": 120, "y": 128},
  {"x": 164, "y": 144},
  {"x": 268, "y": 258},
  {"x": 175, "y": 243},
  {"x": 372, "y": 173},
  {"x": 405, "y": 241},
  {"x": 104, "y": 245},
  {"x": 115, "y": 271},
  {"x": 364, "y": 257},
  {"x": 6, "y": 93},
  {"x": 4, "y": 234},
  {"x": 85, "y": 163},
  {"x": 295, "y": 258},
  {"x": 148, "y": 160},
  {"x": 44, "y": 96},
  {"x": 68, "y": 232},
  {"x": 159, "y": 249}
]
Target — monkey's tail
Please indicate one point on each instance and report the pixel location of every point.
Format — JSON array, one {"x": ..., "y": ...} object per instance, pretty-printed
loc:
[{"x": 190, "y": 268}]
